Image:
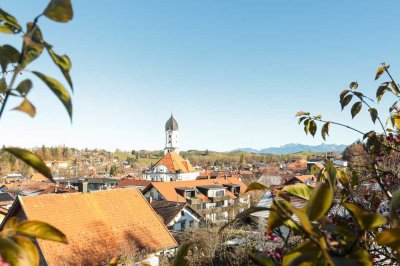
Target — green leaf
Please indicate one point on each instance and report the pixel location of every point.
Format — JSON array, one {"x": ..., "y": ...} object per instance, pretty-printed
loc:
[
  {"x": 331, "y": 170},
  {"x": 353, "y": 85},
  {"x": 58, "y": 90},
  {"x": 390, "y": 238},
  {"x": 26, "y": 107},
  {"x": 301, "y": 119},
  {"x": 30, "y": 254},
  {"x": 59, "y": 10},
  {"x": 33, "y": 44},
  {"x": 8, "y": 54},
  {"x": 320, "y": 201},
  {"x": 374, "y": 114},
  {"x": 300, "y": 190},
  {"x": 325, "y": 130},
  {"x": 343, "y": 178},
  {"x": 32, "y": 160},
  {"x": 379, "y": 72},
  {"x": 307, "y": 125},
  {"x": 180, "y": 257},
  {"x": 296, "y": 255},
  {"x": 261, "y": 259},
  {"x": 301, "y": 113},
  {"x": 381, "y": 90},
  {"x": 63, "y": 63},
  {"x": 366, "y": 220},
  {"x": 41, "y": 230},
  {"x": 395, "y": 88},
  {"x": 313, "y": 128},
  {"x": 113, "y": 262},
  {"x": 24, "y": 87},
  {"x": 8, "y": 23},
  {"x": 256, "y": 186},
  {"x": 3, "y": 85},
  {"x": 11, "y": 251},
  {"x": 394, "y": 205},
  {"x": 356, "y": 109},
  {"x": 343, "y": 94},
  {"x": 346, "y": 100}
]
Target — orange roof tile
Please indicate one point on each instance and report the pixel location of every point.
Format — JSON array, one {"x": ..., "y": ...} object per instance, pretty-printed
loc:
[
  {"x": 175, "y": 163},
  {"x": 167, "y": 189},
  {"x": 38, "y": 177},
  {"x": 310, "y": 180},
  {"x": 98, "y": 225}
]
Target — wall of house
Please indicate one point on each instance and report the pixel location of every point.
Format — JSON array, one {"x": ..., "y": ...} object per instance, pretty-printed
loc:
[
  {"x": 188, "y": 220},
  {"x": 213, "y": 192},
  {"x": 167, "y": 177},
  {"x": 154, "y": 194}
]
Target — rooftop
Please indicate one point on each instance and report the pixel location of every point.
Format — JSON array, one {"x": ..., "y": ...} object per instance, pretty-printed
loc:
[{"x": 98, "y": 225}]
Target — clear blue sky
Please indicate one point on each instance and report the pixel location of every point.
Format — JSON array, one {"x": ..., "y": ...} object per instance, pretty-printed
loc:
[{"x": 234, "y": 73}]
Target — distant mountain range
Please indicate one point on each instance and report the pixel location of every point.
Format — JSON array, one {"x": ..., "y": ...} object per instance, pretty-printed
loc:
[{"x": 295, "y": 148}]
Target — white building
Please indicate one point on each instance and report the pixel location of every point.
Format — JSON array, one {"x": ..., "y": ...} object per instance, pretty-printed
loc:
[
  {"x": 177, "y": 216},
  {"x": 171, "y": 135},
  {"x": 171, "y": 167}
]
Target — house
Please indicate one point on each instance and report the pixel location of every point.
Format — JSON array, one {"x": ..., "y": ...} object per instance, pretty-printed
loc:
[
  {"x": 309, "y": 180},
  {"x": 172, "y": 167},
  {"x": 177, "y": 216},
  {"x": 215, "y": 199},
  {"x": 98, "y": 226},
  {"x": 315, "y": 168},
  {"x": 90, "y": 184},
  {"x": 6, "y": 201},
  {"x": 267, "y": 200}
]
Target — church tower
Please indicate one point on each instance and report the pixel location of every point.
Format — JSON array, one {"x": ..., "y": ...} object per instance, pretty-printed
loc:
[{"x": 171, "y": 135}]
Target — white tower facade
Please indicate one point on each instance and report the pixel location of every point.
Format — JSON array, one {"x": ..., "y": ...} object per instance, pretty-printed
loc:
[{"x": 171, "y": 135}]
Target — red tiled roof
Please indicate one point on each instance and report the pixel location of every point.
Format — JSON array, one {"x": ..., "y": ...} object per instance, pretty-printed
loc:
[
  {"x": 129, "y": 182},
  {"x": 167, "y": 189},
  {"x": 175, "y": 163},
  {"x": 98, "y": 225}
]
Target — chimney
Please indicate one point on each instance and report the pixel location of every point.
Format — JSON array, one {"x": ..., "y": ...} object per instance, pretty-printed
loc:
[
  {"x": 83, "y": 185},
  {"x": 150, "y": 200},
  {"x": 56, "y": 187}
]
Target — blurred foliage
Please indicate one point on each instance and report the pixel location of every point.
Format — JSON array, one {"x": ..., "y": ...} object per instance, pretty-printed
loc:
[{"x": 16, "y": 245}]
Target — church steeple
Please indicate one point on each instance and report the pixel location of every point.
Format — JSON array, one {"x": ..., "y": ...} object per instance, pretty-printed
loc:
[
  {"x": 171, "y": 124},
  {"x": 171, "y": 135}
]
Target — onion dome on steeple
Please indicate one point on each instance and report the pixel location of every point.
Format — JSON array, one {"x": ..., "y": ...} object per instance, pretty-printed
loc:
[{"x": 171, "y": 124}]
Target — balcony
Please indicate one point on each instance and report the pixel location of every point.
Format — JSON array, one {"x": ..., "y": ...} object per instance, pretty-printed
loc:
[
  {"x": 219, "y": 198},
  {"x": 194, "y": 201}
]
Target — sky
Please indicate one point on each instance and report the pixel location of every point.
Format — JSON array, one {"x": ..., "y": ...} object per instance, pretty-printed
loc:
[{"x": 234, "y": 73}]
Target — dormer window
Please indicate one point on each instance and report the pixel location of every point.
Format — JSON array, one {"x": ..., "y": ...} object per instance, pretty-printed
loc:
[{"x": 220, "y": 193}]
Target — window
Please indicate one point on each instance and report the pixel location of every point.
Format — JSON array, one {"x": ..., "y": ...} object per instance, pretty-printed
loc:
[
  {"x": 183, "y": 225},
  {"x": 182, "y": 213},
  {"x": 220, "y": 203},
  {"x": 219, "y": 193}
]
